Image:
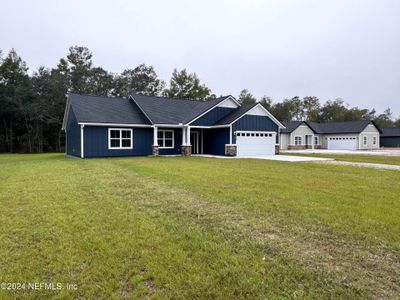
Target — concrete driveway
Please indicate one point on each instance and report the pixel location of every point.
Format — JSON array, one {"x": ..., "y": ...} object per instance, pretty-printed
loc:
[
  {"x": 279, "y": 157},
  {"x": 381, "y": 152}
]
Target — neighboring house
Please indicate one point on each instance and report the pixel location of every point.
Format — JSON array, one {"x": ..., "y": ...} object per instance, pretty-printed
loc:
[
  {"x": 353, "y": 135},
  {"x": 149, "y": 125},
  {"x": 390, "y": 137},
  {"x": 299, "y": 135}
]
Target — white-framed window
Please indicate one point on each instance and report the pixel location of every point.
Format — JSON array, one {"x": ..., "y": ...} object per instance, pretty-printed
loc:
[
  {"x": 166, "y": 139},
  {"x": 374, "y": 140},
  {"x": 298, "y": 140},
  {"x": 120, "y": 138},
  {"x": 365, "y": 140},
  {"x": 316, "y": 140}
]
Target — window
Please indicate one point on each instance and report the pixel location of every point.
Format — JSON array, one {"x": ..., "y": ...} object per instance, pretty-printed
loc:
[
  {"x": 365, "y": 140},
  {"x": 374, "y": 140},
  {"x": 316, "y": 140},
  {"x": 166, "y": 139},
  {"x": 297, "y": 140},
  {"x": 120, "y": 138}
]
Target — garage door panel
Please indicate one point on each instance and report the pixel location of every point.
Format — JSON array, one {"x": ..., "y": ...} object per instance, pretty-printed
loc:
[
  {"x": 342, "y": 143},
  {"x": 255, "y": 144}
]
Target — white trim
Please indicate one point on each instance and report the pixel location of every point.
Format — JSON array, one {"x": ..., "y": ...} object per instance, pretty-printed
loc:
[
  {"x": 114, "y": 124},
  {"x": 188, "y": 136},
  {"x": 163, "y": 138},
  {"x": 229, "y": 103},
  {"x": 82, "y": 142},
  {"x": 199, "y": 116},
  {"x": 155, "y": 136},
  {"x": 169, "y": 125},
  {"x": 141, "y": 109},
  {"x": 202, "y": 140},
  {"x": 230, "y": 134},
  {"x": 268, "y": 114},
  {"x": 120, "y": 138}
]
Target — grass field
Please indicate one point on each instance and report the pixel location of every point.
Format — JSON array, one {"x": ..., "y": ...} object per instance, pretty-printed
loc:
[
  {"x": 376, "y": 159},
  {"x": 189, "y": 228}
]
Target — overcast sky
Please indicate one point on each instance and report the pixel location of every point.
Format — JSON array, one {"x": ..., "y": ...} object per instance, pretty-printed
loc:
[{"x": 329, "y": 49}]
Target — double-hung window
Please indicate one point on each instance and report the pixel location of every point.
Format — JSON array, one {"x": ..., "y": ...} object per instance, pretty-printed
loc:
[
  {"x": 374, "y": 140},
  {"x": 166, "y": 139},
  {"x": 316, "y": 140},
  {"x": 120, "y": 138},
  {"x": 365, "y": 140},
  {"x": 297, "y": 140}
]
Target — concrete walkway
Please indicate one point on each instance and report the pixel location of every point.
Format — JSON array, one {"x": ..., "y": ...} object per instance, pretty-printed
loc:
[
  {"x": 288, "y": 158},
  {"x": 380, "y": 152},
  {"x": 364, "y": 165}
]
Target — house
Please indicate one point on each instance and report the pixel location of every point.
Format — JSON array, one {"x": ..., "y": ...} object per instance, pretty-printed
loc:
[
  {"x": 352, "y": 135},
  {"x": 148, "y": 125},
  {"x": 390, "y": 137}
]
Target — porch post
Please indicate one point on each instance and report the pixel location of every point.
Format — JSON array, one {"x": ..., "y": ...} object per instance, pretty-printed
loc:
[
  {"x": 188, "y": 136},
  {"x": 312, "y": 142},
  {"x": 155, "y": 141}
]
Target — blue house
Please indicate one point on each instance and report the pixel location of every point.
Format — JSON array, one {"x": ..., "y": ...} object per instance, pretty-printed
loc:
[{"x": 147, "y": 125}]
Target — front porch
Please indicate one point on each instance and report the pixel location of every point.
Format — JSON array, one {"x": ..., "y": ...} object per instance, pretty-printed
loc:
[{"x": 188, "y": 140}]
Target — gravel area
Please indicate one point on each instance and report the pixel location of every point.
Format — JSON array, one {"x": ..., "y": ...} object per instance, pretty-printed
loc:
[{"x": 363, "y": 165}]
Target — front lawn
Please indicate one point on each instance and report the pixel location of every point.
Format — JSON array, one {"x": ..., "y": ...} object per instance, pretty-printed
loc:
[
  {"x": 187, "y": 228},
  {"x": 376, "y": 159}
]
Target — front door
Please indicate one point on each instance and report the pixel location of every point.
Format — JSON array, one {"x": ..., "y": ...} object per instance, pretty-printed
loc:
[{"x": 194, "y": 141}]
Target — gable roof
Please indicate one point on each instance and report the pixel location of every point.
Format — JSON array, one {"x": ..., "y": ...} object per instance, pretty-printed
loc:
[
  {"x": 235, "y": 114},
  {"x": 390, "y": 132},
  {"x": 292, "y": 125},
  {"x": 341, "y": 127},
  {"x": 164, "y": 110},
  {"x": 93, "y": 109}
]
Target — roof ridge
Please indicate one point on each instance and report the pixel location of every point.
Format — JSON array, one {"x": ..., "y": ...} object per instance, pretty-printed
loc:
[
  {"x": 178, "y": 99},
  {"x": 93, "y": 96}
]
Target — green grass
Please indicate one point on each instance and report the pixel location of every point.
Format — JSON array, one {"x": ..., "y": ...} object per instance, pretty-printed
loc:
[
  {"x": 188, "y": 228},
  {"x": 376, "y": 159}
]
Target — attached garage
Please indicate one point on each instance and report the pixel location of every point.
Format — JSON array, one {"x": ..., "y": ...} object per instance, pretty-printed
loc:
[
  {"x": 343, "y": 143},
  {"x": 251, "y": 143}
]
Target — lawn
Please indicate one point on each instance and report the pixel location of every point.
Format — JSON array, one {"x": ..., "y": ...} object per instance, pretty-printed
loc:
[
  {"x": 376, "y": 159},
  {"x": 188, "y": 228}
]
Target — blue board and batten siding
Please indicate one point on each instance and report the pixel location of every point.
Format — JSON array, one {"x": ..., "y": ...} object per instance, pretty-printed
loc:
[
  {"x": 254, "y": 123},
  {"x": 215, "y": 140},
  {"x": 96, "y": 142},
  {"x": 177, "y": 143},
  {"x": 73, "y": 135},
  {"x": 213, "y": 116}
]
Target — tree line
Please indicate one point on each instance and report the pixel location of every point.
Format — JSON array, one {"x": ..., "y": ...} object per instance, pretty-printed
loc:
[{"x": 32, "y": 105}]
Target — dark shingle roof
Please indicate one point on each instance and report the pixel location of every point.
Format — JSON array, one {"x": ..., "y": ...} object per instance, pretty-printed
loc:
[
  {"x": 339, "y": 127},
  {"x": 291, "y": 126},
  {"x": 163, "y": 110},
  {"x": 390, "y": 132},
  {"x": 106, "y": 110},
  {"x": 235, "y": 114}
]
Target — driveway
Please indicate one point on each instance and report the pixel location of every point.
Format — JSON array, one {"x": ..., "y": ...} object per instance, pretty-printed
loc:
[
  {"x": 279, "y": 157},
  {"x": 380, "y": 152}
]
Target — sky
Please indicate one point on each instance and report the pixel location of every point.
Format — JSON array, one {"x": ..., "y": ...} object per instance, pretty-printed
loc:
[{"x": 345, "y": 49}]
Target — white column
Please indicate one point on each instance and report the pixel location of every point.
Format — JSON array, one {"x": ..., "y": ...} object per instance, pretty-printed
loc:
[
  {"x": 188, "y": 136},
  {"x": 155, "y": 136},
  {"x": 312, "y": 141},
  {"x": 230, "y": 135},
  {"x": 82, "y": 142}
]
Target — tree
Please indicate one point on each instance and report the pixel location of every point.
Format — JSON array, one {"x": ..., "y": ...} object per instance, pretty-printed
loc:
[
  {"x": 142, "y": 79},
  {"x": 311, "y": 108},
  {"x": 79, "y": 65},
  {"x": 245, "y": 97},
  {"x": 333, "y": 111},
  {"x": 100, "y": 82},
  {"x": 385, "y": 119},
  {"x": 184, "y": 85},
  {"x": 266, "y": 102},
  {"x": 15, "y": 96}
]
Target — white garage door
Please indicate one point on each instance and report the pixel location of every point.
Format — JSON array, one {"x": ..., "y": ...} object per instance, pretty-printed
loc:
[
  {"x": 250, "y": 143},
  {"x": 342, "y": 143}
]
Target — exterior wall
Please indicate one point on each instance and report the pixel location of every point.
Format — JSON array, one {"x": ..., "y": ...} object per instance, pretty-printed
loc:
[
  {"x": 177, "y": 142},
  {"x": 253, "y": 123},
  {"x": 96, "y": 142},
  {"x": 285, "y": 138},
  {"x": 73, "y": 135},
  {"x": 392, "y": 141},
  {"x": 215, "y": 141},
  {"x": 302, "y": 131},
  {"x": 213, "y": 116},
  {"x": 370, "y": 131}
]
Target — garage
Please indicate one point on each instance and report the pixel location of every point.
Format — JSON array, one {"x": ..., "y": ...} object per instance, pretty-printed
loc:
[
  {"x": 250, "y": 143},
  {"x": 342, "y": 143}
]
